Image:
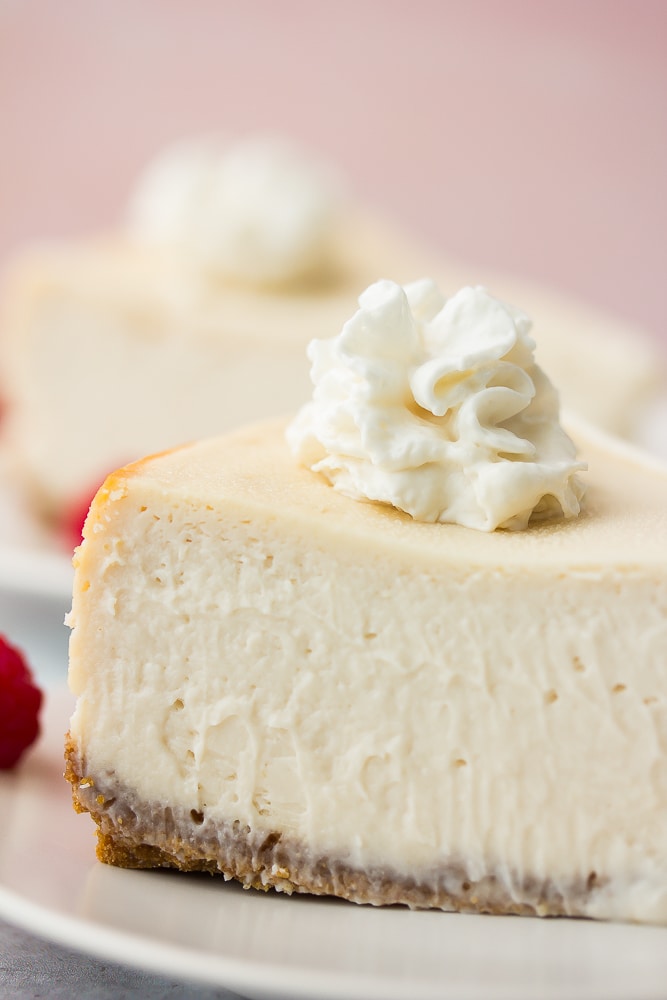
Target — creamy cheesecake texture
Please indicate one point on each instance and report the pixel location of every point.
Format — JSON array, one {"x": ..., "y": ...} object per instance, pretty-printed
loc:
[{"x": 276, "y": 682}]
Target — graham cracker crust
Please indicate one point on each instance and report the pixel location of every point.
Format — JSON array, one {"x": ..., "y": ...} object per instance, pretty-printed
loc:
[{"x": 133, "y": 834}]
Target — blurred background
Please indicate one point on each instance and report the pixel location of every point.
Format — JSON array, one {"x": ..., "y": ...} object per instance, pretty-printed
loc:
[
  {"x": 521, "y": 136},
  {"x": 528, "y": 137}
]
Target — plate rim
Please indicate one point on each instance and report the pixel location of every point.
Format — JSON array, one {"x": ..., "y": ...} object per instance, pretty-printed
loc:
[{"x": 173, "y": 960}]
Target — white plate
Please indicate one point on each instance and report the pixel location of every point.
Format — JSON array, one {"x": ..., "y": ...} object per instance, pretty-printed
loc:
[{"x": 267, "y": 945}]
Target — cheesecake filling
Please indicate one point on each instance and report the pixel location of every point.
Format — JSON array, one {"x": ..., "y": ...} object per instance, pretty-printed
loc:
[
  {"x": 132, "y": 833},
  {"x": 396, "y": 736},
  {"x": 438, "y": 408},
  {"x": 137, "y": 834}
]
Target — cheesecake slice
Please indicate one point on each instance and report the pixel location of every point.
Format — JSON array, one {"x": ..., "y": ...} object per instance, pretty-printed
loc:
[
  {"x": 187, "y": 320},
  {"x": 111, "y": 349},
  {"x": 298, "y": 690}
]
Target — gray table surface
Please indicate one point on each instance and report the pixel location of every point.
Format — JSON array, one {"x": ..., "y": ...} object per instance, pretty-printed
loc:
[{"x": 31, "y": 968}]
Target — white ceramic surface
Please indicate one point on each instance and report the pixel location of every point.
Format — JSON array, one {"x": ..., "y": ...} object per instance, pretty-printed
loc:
[{"x": 269, "y": 946}]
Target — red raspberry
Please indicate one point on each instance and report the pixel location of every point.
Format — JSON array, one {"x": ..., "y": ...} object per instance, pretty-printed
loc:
[{"x": 20, "y": 702}]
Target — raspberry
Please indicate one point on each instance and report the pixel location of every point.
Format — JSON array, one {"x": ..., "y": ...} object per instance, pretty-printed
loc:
[{"x": 20, "y": 702}]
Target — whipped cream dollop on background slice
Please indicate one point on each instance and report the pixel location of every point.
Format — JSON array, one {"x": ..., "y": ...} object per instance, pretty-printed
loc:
[
  {"x": 260, "y": 209},
  {"x": 437, "y": 407}
]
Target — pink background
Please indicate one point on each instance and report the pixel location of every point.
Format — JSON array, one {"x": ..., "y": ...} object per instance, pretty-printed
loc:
[{"x": 522, "y": 135}]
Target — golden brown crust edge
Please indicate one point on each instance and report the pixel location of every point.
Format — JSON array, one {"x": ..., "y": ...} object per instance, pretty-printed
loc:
[{"x": 139, "y": 835}]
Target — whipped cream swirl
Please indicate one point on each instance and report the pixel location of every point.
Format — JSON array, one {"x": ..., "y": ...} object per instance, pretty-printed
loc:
[
  {"x": 260, "y": 210},
  {"x": 438, "y": 407}
]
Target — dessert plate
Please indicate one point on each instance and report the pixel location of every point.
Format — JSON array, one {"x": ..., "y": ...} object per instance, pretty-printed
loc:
[{"x": 270, "y": 946}]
